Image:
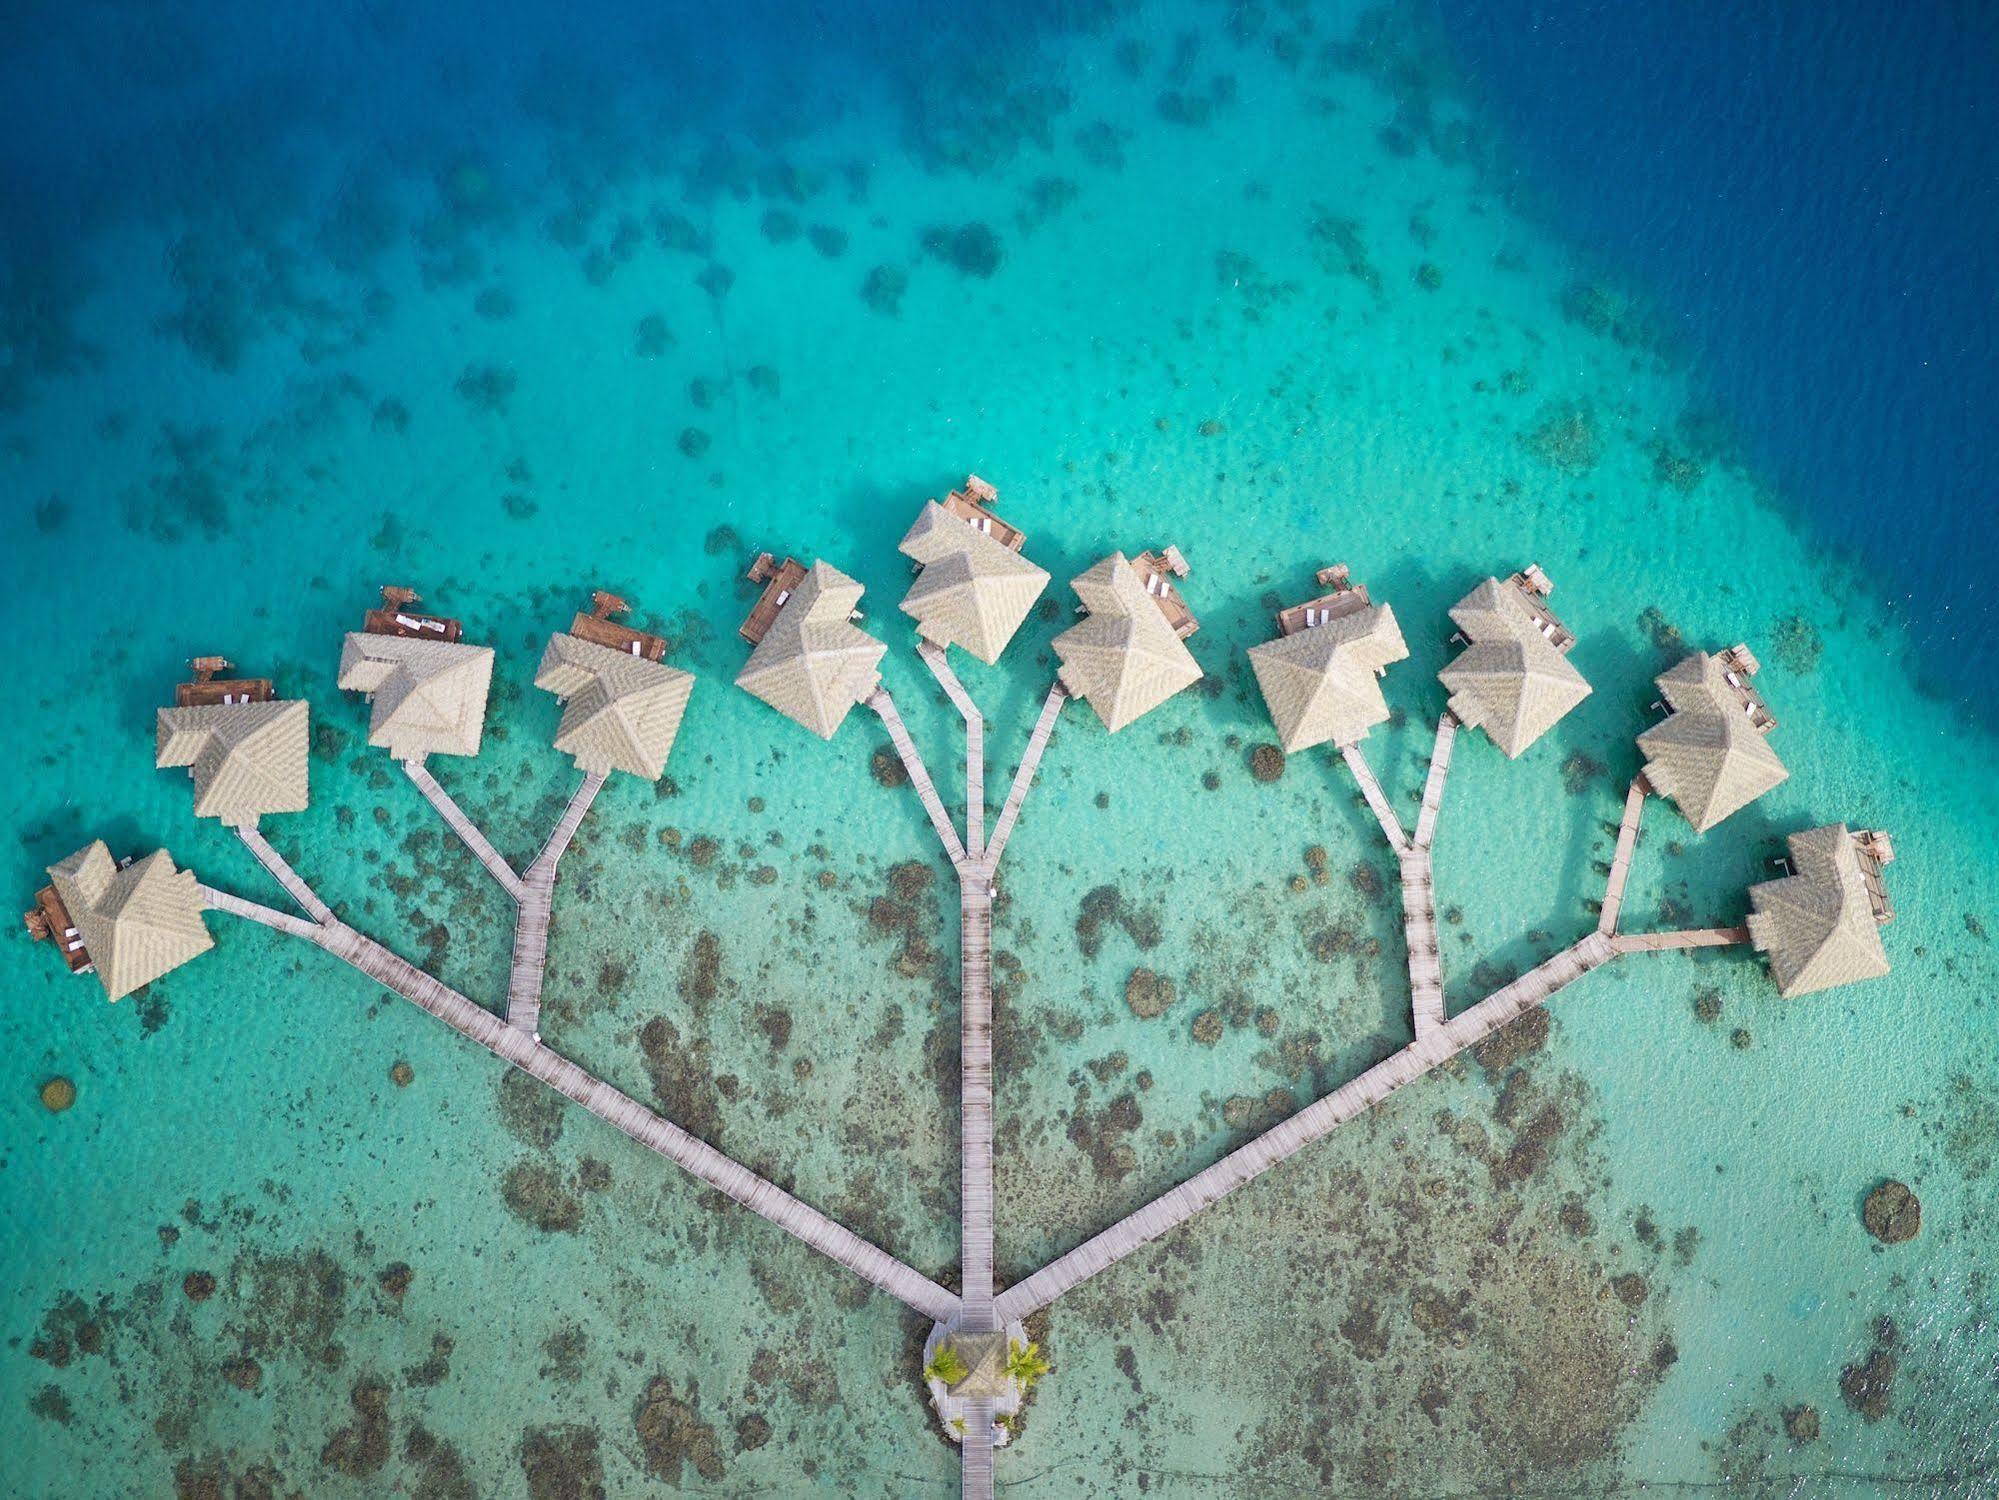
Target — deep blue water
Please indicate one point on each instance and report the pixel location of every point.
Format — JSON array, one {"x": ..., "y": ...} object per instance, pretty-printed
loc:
[{"x": 1811, "y": 193}]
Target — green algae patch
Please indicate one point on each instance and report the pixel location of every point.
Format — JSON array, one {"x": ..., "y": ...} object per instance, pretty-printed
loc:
[
  {"x": 1892, "y": 1213},
  {"x": 672, "y": 1436}
]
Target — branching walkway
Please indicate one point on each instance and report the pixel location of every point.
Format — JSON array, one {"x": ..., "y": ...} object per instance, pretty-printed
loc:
[
  {"x": 980, "y": 1306},
  {"x": 627, "y": 1114}
]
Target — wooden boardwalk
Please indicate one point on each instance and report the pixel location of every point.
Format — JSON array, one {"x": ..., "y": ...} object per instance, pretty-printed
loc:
[
  {"x": 284, "y": 874},
  {"x": 975, "y": 1102},
  {"x": 537, "y": 907},
  {"x": 935, "y": 657},
  {"x": 1023, "y": 778},
  {"x": 1391, "y": 826},
  {"x": 1620, "y": 862},
  {"x": 1692, "y": 937},
  {"x": 1419, "y": 935},
  {"x": 1433, "y": 784},
  {"x": 919, "y": 777},
  {"x": 467, "y": 831},
  {"x": 1310, "y": 1124},
  {"x": 712, "y": 1167}
]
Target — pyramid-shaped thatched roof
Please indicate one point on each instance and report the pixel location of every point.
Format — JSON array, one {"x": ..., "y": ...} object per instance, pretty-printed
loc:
[
  {"x": 137, "y": 922},
  {"x": 1510, "y": 680},
  {"x": 620, "y": 712},
  {"x": 972, "y": 591},
  {"x": 1323, "y": 684},
  {"x": 247, "y": 759},
  {"x": 1122, "y": 658},
  {"x": 429, "y": 697},
  {"x": 1707, "y": 755},
  {"x": 1816, "y": 926},
  {"x": 984, "y": 1355},
  {"x": 814, "y": 664}
]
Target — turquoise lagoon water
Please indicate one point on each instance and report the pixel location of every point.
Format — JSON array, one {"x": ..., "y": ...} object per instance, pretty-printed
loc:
[{"x": 1262, "y": 289}]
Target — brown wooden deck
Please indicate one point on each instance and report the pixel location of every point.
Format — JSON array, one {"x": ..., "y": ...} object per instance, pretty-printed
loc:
[
  {"x": 602, "y": 632},
  {"x": 49, "y": 922},
  {"x": 210, "y": 690},
  {"x": 1345, "y": 598},
  {"x": 1156, "y": 570},
  {"x": 974, "y": 504},
  {"x": 779, "y": 581},
  {"x": 396, "y": 617},
  {"x": 1534, "y": 588}
]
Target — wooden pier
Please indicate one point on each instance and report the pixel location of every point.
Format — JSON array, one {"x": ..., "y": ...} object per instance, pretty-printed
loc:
[
  {"x": 1023, "y": 777},
  {"x": 919, "y": 777},
  {"x": 537, "y": 905},
  {"x": 1391, "y": 826},
  {"x": 939, "y": 663},
  {"x": 1620, "y": 862},
  {"x": 515, "y": 1046},
  {"x": 468, "y": 832}
]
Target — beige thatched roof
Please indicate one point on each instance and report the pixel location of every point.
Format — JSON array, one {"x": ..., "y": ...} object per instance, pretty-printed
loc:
[
  {"x": 1817, "y": 925},
  {"x": 972, "y": 591},
  {"x": 813, "y": 665},
  {"x": 247, "y": 759},
  {"x": 620, "y": 712},
  {"x": 1323, "y": 683},
  {"x": 984, "y": 1355},
  {"x": 1122, "y": 657},
  {"x": 136, "y": 923},
  {"x": 1708, "y": 754},
  {"x": 1510, "y": 680},
  {"x": 429, "y": 697}
]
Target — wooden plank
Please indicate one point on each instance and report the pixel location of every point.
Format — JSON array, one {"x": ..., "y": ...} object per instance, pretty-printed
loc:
[
  {"x": 1620, "y": 862},
  {"x": 1691, "y": 937},
  {"x": 1419, "y": 931},
  {"x": 1433, "y": 784},
  {"x": 975, "y": 1100},
  {"x": 656, "y": 1134},
  {"x": 1023, "y": 777},
  {"x": 284, "y": 874},
  {"x": 975, "y": 1453},
  {"x": 1351, "y": 1099},
  {"x": 919, "y": 777},
  {"x": 1391, "y": 826},
  {"x": 938, "y": 660},
  {"x": 468, "y": 832},
  {"x": 537, "y": 905}
]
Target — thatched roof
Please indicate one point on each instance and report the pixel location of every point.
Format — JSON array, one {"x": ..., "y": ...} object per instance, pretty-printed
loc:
[
  {"x": 813, "y": 665},
  {"x": 972, "y": 591},
  {"x": 429, "y": 697},
  {"x": 984, "y": 1355},
  {"x": 247, "y": 759},
  {"x": 1707, "y": 755},
  {"x": 620, "y": 712},
  {"x": 1817, "y": 925},
  {"x": 1511, "y": 680},
  {"x": 1323, "y": 683},
  {"x": 136, "y": 923},
  {"x": 1122, "y": 657}
]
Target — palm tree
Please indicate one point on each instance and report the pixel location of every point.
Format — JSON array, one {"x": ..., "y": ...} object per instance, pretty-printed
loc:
[
  {"x": 1024, "y": 1364},
  {"x": 946, "y": 1365}
]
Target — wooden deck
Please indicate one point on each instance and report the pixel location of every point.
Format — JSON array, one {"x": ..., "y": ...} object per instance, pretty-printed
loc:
[
  {"x": 610, "y": 634},
  {"x": 938, "y": 660},
  {"x": 208, "y": 692},
  {"x": 1156, "y": 570},
  {"x": 1690, "y": 937},
  {"x": 973, "y": 505},
  {"x": 50, "y": 922},
  {"x": 975, "y": 1102},
  {"x": 780, "y": 581},
  {"x": 1620, "y": 862},
  {"x": 656, "y": 1134}
]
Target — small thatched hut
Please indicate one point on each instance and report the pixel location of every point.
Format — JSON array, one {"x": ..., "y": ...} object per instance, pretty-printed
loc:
[
  {"x": 971, "y": 589},
  {"x": 621, "y": 706},
  {"x": 1125, "y": 657},
  {"x": 1321, "y": 676},
  {"x": 1513, "y": 679},
  {"x": 245, "y": 749},
  {"x": 1712, "y": 753},
  {"x": 1821, "y": 925},
  {"x": 131, "y": 923},
  {"x": 427, "y": 689},
  {"x": 811, "y": 663}
]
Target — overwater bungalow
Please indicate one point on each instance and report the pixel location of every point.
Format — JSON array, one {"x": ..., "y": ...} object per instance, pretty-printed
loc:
[
  {"x": 811, "y": 662},
  {"x": 1513, "y": 679},
  {"x": 1127, "y": 655},
  {"x": 621, "y": 706},
  {"x": 973, "y": 588},
  {"x": 245, "y": 748},
  {"x": 427, "y": 689},
  {"x": 1821, "y": 924},
  {"x": 1711, "y": 754},
  {"x": 1321, "y": 676},
  {"x": 128, "y": 922}
]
